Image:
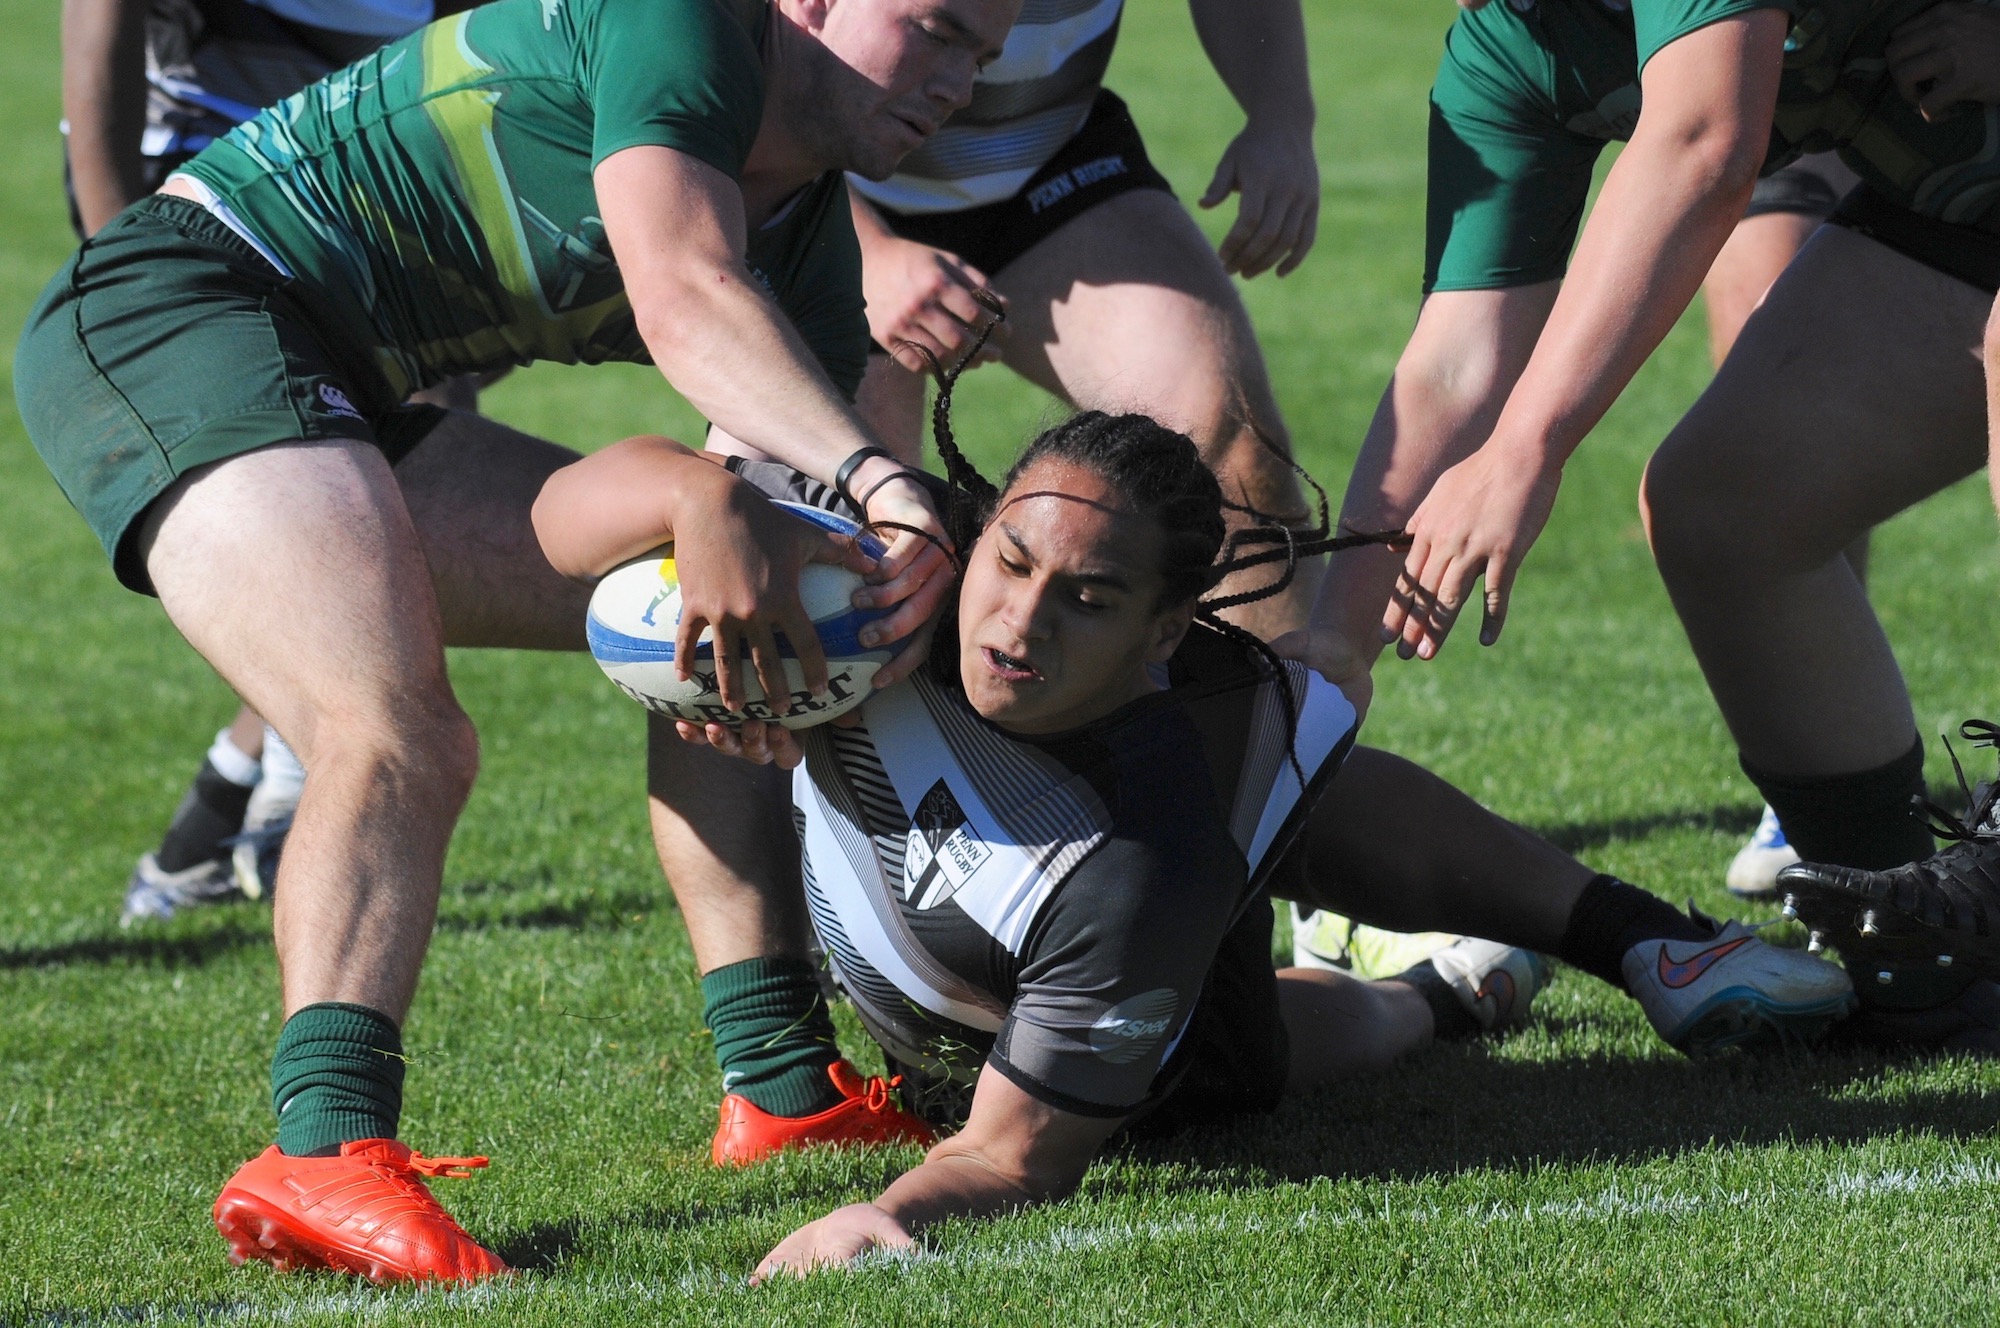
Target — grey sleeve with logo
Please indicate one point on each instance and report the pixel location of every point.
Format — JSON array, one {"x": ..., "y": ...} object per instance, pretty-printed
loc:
[{"x": 1116, "y": 964}]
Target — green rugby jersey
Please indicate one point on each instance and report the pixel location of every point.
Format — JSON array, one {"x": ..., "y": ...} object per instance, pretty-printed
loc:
[
  {"x": 435, "y": 200},
  {"x": 1530, "y": 91}
]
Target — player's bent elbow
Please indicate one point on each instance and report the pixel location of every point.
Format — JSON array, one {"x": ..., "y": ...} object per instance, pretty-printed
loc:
[{"x": 555, "y": 517}]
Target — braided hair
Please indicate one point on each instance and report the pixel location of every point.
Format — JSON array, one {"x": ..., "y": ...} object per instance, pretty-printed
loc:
[{"x": 1160, "y": 473}]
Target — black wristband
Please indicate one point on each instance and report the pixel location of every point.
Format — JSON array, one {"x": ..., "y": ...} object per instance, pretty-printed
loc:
[
  {"x": 861, "y": 457},
  {"x": 861, "y": 503}
]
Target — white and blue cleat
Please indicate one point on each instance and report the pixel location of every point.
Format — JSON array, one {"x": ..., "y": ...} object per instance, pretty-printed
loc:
[
  {"x": 1753, "y": 872},
  {"x": 155, "y": 894},
  {"x": 1733, "y": 990}
]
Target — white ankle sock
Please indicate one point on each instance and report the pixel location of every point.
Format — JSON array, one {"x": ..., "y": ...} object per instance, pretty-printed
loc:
[{"x": 232, "y": 763}]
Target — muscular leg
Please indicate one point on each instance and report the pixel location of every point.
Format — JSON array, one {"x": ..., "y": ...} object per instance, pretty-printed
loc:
[
  {"x": 1852, "y": 393},
  {"x": 1756, "y": 255},
  {"x": 1756, "y": 252},
  {"x": 1463, "y": 358},
  {"x": 1463, "y": 869},
  {"x": 295, "y": 570},
  {"x": 1341, "y": 1026},
  {"x": 304, "y": 576},
  {"x": 724, "y": 834}
]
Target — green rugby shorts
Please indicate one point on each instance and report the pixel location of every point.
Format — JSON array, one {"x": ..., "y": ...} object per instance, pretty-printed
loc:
[{"x": 167, "y": 343}]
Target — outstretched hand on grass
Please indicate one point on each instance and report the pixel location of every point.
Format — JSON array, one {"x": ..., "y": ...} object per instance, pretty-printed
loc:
[{"x": 840, "y": 1237}]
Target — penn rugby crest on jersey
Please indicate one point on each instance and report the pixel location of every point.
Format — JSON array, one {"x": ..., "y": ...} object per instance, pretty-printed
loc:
[
  {"x": 435, "y": 201},
  {"x": 1053, "y": 906},
  {"x": 1025, "y": 106}
]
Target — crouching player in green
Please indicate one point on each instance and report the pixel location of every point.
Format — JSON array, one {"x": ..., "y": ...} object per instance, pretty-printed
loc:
[
  {"x": 216, "y": 381},
  {"x": 1042, "y": 867}
]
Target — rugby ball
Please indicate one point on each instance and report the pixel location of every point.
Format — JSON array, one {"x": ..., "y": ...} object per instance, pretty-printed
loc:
[{"x": 636, "y": 610}]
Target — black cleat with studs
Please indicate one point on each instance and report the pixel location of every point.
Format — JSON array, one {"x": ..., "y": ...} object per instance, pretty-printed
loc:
[{"x": 1943, "y": 911}]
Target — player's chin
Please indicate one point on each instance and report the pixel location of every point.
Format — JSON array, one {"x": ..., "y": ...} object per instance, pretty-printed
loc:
[
  {"x": 1008, "y": 704},
  {"x": 876, "y": 154}
]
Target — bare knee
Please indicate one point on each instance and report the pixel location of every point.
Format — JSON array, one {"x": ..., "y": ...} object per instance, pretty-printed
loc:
[
  {"x": 421, "y": 750},
  {"x": 1690, "y": 513}
]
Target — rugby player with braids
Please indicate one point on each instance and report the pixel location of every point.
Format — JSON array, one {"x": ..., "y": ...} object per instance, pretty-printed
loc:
[
  {"x": 1042, "y": 866},
  {"x": 1853, "y": 392}
]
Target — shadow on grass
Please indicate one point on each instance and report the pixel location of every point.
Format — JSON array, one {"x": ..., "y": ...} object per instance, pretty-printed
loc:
[
  {"x": 1733, "y": 819},
  {"x": 176, "y": 949},
  {"x": 1461, "y": 1108},
  {"x": 225, "y": 929},
  {"x": 1576, "y": 836}
]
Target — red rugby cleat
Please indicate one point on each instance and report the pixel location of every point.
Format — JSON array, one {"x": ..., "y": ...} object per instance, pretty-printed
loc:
[
  {"x": 747, "y": 1133},
  {"x": 365, "y": 1212}
]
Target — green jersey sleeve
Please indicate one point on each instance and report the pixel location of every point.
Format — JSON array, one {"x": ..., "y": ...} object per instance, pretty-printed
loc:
[
  {"x": 1526, "y": 98},
  {"x": 1657, "y": 23},
  {"x": 699, "y": 88}
]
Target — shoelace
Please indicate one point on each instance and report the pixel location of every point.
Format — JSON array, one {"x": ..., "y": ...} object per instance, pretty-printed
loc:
[
  {"x": 876, "y": 1091},
  {"x": 1980, "y": 733},
  {"x": 416, "y": 1164}
]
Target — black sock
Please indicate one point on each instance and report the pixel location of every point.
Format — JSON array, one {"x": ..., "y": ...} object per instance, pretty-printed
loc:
[
  {"x": 1448, "y": 1011},
  {"x": 211, "y": 812},
  {"x": 1610, "y": 918},
  {"x": 1859, "y": 820}
]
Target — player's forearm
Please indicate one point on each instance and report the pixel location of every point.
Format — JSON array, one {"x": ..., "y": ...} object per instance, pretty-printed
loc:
[
  {"x": 726, "y": 347},
  {"x": 622, "y": 501},
  {"x": 952, "y": 1183},
  {"x": 1662, "y": 217},
  {"x": 1258, "y": 48},
  {"x": 104, "y": 101},
  {"x": 1666, "y": 208}
]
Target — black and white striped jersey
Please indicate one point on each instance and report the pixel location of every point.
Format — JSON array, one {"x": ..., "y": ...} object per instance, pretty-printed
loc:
[
  {"x": 1025, "y": 105},
  {"x": 1051, "y": 906}
]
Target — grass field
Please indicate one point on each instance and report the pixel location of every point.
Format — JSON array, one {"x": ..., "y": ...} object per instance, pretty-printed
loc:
[{"x": 1577, "y": 1172}]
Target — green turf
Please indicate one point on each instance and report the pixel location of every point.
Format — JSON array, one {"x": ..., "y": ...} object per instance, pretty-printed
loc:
[{"x": 1576, "y": 1172}]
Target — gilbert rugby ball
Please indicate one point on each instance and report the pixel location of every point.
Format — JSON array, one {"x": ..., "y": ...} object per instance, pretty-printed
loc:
[{"x": 637, "y": 608}]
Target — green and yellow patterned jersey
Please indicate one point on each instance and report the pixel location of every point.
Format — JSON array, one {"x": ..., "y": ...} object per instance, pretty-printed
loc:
[
  {"x": 435, "y": 200},
  {"x": 1530, "y": 91}
]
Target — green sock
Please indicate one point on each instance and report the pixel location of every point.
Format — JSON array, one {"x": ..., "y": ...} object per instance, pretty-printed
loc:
[
  {"x": 337, "y": 1076},
  {"x": 773, "y": 1035}
]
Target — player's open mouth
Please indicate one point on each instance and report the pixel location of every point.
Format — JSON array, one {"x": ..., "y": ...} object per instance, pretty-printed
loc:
[{"x": 1011, "y": 669}]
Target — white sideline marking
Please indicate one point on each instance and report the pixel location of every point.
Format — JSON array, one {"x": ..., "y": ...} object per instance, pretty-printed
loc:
[{"x": 1843, "y": 1186}]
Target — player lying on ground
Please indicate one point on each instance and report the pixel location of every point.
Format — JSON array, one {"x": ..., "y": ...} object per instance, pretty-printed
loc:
[
  {"x": 1848, "y": 395},
  {"x": 217, "y": 380},
  {"x": 146, "y": 85},
  {"x": 1040, "y": 867}
]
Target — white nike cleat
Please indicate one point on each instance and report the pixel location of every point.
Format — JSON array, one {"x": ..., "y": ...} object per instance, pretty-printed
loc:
[
  {"x": 1496, "y": 983},
  {"x": 1734, "y": 990},
  {"x": 1324, "y": 939},
  {"x": 1753, "y": 872},
  {"x": 155, "y": 894}
]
